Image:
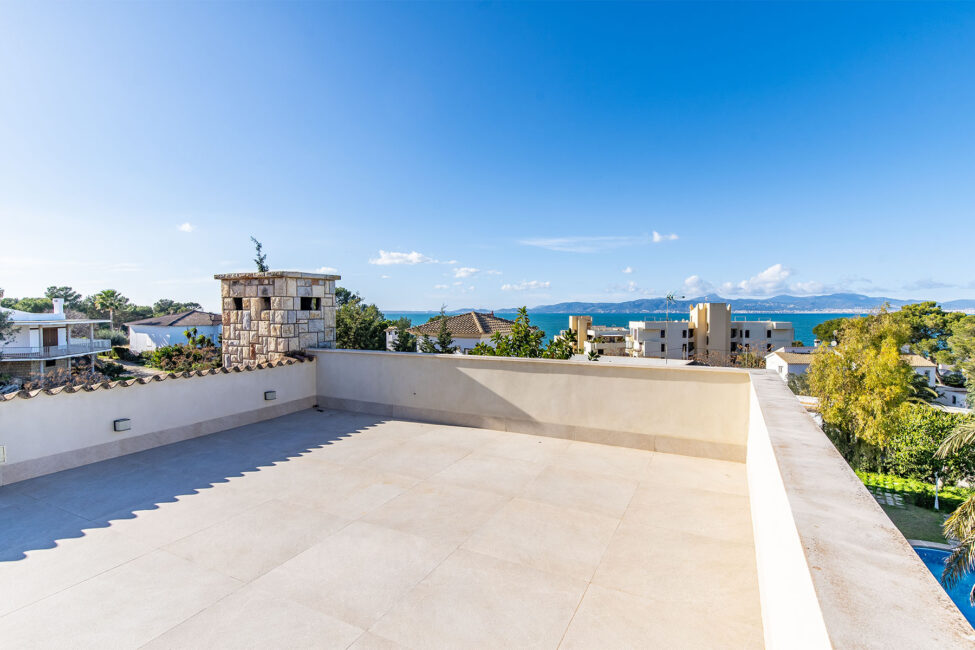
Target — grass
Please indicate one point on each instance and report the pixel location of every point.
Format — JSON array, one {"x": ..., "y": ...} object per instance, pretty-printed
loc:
[{"x": 917, "y": 523}]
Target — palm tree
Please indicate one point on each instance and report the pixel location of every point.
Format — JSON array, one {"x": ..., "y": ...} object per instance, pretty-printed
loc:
[
  {"x": 111, "y": 300},
  {"x": 961, "y": 524}
]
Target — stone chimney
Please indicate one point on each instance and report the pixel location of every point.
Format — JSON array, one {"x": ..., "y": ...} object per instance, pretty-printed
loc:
[
  {"x": 58, "y": 305},
  {"x": 268, "y": 314}
]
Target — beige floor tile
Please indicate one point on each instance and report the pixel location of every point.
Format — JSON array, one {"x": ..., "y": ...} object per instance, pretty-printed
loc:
[
  {"x": 537, "y": 449},
  {"x": 47, "y": 571},
  {"x": 703, "y": 573},
  {"x": 251, "y": 618},
  {"x": 596, "y": 493},
  {"x": 703, "y": 512},
  {"x": 620, "y": 462},
  {"x": 122, "y": 608},
  {"x": 369, "y": 641},
  {"x": 460, "y": 437},
  {"x": 441, "y": 512},
  {"x": 494, "y": 473},
  {"x": 699, "y": 473},
  {"x": 254, "y": 542},
  {"x": 357, "y": 574},
  {"x": 546, "y": 537},
  {"x": 413, "y": 458},
  {"x": 613, "y": 619},
  {"x": 354, "y": 449},
  {"x": 477, "y": 601}
]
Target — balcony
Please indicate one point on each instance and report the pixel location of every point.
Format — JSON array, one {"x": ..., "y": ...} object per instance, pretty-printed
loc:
[{"x": 43, "y": 352}]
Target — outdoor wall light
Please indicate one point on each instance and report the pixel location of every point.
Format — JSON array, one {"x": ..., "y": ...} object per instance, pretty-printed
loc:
[
  {"x": 270, "y": 394},
  {"x": 122, "y": 424}
]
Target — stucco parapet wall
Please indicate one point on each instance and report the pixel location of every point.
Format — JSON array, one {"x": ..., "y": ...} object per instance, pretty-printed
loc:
[
  {"x": 276, "y": 274},
  {"x": 872, "y": 589},
  {"x": 107, "y": 385}
]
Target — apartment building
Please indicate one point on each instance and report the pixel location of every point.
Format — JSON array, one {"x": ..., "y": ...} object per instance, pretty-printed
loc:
[{"x": 709, "y": 329}]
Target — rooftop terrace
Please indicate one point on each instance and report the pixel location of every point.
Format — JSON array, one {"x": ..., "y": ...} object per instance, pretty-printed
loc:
[
  {"x": 330, "y": 529},
  {"x": 365, "y": 499}
]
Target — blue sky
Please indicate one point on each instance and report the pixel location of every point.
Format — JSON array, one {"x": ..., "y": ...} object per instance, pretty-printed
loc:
[{"x": 490, "y": 155}]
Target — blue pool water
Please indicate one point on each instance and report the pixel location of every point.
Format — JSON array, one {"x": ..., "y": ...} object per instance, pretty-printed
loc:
[{"x": 934, "y": 559}]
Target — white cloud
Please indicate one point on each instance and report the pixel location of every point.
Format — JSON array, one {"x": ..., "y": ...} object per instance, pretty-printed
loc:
[
  {"x": 526, "y": 285},
  {"x": 186, "y": 226},
  {"x": 584, "y": 244},
  {"x": 389, "y": 258},
  {"x": 628, "y": 270},
  {"x": 696, "y": 286},
  {"x": 657, "y": 237},
  {"x": 465, "y": 272}
]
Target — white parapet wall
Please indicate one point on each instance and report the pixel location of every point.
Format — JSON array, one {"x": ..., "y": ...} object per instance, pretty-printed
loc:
[
  {"x": 690, "y": 411},
  {"x": 833, "y": 570},
  {"x": 50, "y": 431}
]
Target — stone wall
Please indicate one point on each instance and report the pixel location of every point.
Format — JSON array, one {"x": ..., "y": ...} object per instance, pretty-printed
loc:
[{"x": 266, "y": 315}]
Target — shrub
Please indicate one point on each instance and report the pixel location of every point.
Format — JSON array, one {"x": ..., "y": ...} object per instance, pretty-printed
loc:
[
  {"x": 117, "y": 338},
  {"x": 66, "y": 377},
  {"x": 198, "y": 353},
  {"x": 111, "y": 370},
  {"x": 917, "y": 433}
]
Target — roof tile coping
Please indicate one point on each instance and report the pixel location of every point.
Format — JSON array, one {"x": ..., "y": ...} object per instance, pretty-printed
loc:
[
  {"x": 106, "y": 385},
  {"x": 275, "y": 274}
]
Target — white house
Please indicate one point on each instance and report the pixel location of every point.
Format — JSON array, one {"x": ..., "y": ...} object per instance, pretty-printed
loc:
[
  {"x": 787, "y": 361},
  {"x": 467, "y": 330},
  {"x": 159, "y": 331},
  {"x": 43, "y": 342},
  {"x": 952, "y": 396}
]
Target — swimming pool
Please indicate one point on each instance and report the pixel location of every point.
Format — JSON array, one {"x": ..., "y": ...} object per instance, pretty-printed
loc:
[{"x": 934, "y": 559}]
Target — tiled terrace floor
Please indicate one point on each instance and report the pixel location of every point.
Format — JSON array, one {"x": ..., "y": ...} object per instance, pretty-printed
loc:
[{"x": 332, "y": 529}]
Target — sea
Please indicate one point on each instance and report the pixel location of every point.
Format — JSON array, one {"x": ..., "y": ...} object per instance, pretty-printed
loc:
[{"x": 552, "y": 324}]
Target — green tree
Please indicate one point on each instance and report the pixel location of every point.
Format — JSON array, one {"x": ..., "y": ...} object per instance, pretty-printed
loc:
[
  {"x": 360, "y": 326},
  {"x": 962, "y": 346},
  {"x": 961, "y": 524},
  {"x": 6, "y": 328},
  {"x": 343, "y": 296},
  {"x": 260, "y": 259},
  {"x": 166, "y": 306},
  {"x": 34, "y": 305},
  {"x": 525, "y": 340},
  {"x": 111, "y": 301},
  {"x": 405, "y": 342},
  {"x": 828, "y": 329},
  {"x": 930, "y": 328},
  {"x": 71, "y": 297},
  {"x": 862, "y": 380},
  {"x": 444, "y": 343}
]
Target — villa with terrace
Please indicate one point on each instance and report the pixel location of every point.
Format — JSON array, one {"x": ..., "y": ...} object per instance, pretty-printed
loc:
[{"x": 304, "y": 496}]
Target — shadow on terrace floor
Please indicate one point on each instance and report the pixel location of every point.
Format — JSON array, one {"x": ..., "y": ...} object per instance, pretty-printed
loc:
[{"x": 36, "y": 513}]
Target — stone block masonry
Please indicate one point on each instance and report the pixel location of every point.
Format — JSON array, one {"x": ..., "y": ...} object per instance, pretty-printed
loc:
[{"x": 266, "y": 315}]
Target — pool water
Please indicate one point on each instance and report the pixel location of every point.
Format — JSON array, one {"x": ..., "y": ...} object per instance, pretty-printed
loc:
[{"x": 935, "y": 559}]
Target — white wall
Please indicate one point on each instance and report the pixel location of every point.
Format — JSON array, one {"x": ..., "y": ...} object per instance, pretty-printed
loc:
[
  {"x": 48, "y": 433},
  {"x": 148, "y": 337},
  {"x": 693, "y": 411}
]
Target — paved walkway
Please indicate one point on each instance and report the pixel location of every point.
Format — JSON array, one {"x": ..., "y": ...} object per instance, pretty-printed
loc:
[{"x": 333, "y": 530}]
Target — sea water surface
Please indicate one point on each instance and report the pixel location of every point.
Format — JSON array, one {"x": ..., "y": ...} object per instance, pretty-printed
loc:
[{"x": 552, "y": 324}]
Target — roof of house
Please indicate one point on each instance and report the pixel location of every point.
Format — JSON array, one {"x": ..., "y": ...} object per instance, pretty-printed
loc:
[
  {"x": 473, "y": 324},
  {"x": 794, "y": 358},
  {"x": 191, "y": 318},
  {"x": 805, "y": 358},
  {"x": 917, "y": 361}
]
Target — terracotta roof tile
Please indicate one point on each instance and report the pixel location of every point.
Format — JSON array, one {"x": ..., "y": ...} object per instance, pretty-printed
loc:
[{"x": 473, "y": 324}]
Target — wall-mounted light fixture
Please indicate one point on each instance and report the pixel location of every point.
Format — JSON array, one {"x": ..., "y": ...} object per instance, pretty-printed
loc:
[
  {"x": 270, "y": 394},
  {"x": 122, "y": 424}
]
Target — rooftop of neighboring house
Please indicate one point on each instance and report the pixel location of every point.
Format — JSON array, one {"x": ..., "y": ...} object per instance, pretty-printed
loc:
[
  {"x": 191, "y": 318},
  {"x": 56, "y": 317},
  {"x": 796, "y": 355},
  {"x": 474, "y": 324}
]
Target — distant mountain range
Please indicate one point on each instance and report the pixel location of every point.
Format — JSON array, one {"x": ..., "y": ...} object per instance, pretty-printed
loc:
[{"x": 834, "y": 302}]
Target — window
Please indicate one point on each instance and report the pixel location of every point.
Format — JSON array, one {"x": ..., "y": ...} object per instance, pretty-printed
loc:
[
  {"x": 50, "y": 363},
  {"x": 661, "y": 347},
  {"x": 683, "y": 334},
  {"x": 683, "y": 348},
  {"x": 734, "y": 332},
  {"x": 266, "y": 304},
  {"x": 748, "y": 334},
  {"x": 768, "y": 347},
  {"x": 734, "y": 346},
  {"x": 309, "y": 304},
  {"x": 768, "y": 334},
  {"x": 663, "y": 334},
  {"x": 238, "y": 303}
]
